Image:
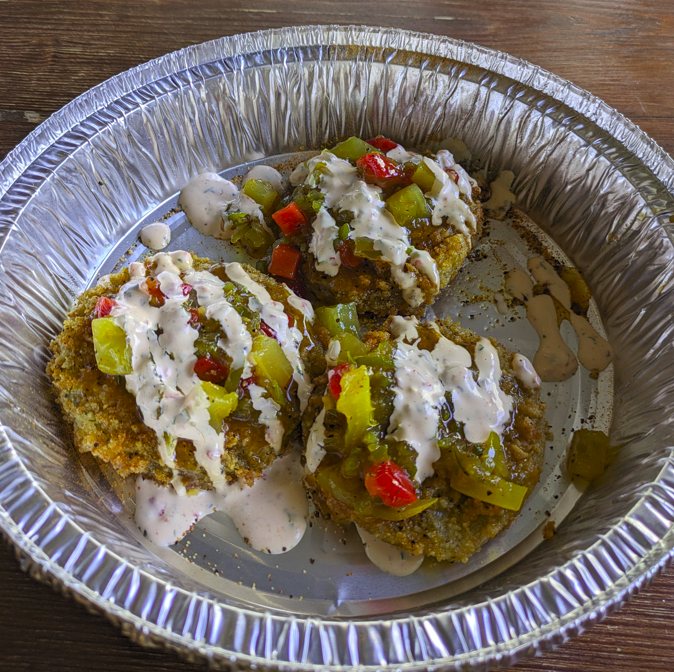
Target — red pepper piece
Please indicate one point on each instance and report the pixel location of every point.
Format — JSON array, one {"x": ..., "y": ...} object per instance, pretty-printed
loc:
[
  {"x": 157, "y": 297},
  {"x": 103, "y": 306},
  {"x": 390, "y": 482},
  {"x": 348, "y": 258},
  {"x": 290, "y": 219},
  {"x": 380, "y": 170},
  {"x": 267, "y": 330},
  {"x": 194, "y": 317},
  {"x": 335, "y": 379},
  {"x": 291, "y": 320},
  {"x": 186, "y": 289},
  {"x": 382, "y": 144},
  {"x": 285, "y": 261},
  {"x": 211, "y": 370},
  {"x": 453, "y": 174}
]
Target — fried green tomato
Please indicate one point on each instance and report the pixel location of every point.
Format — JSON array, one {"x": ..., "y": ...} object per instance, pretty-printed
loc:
[
  {"x": 374, "y": 224},
  {"x": 177, "y": 369},
  {"x": 422, "y": 435}
]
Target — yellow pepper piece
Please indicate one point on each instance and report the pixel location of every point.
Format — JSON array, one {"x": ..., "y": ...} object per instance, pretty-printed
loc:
[
  {"x": 270, "y": 361},
  {"x": 222, "y": 403},
  {"x": 113, "y": 353},
  {"x": 492, "y": 490},
  {"x": 355, "y": 402}
]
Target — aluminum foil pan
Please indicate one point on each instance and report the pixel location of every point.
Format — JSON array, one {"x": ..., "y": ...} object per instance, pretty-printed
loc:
[{"x": 72, "y": 197}]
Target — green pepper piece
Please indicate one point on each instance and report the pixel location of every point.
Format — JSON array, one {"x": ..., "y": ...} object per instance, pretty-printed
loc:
[
  {"x": 221, "y": 403},
  {"x": 338, "y": 486},
  {"x": 590, "y": 453},
  {"x": 495, "y": 490},
  {"x": 270, "y": 361},
  {"x": 113, "y": 353},
  {"x": 350, "y": 347},
  {"x": 352, "y": 149},
  {"x": 424, "y": 177},
  {"x": 344, "y": 231},
  {"x": 340, "y": 318},
  {"x": 365, "y": 248},
  {"x": 355, "y": 403},
  {"x": 402, "y": 512},
  {"x": 407, "y": 205},
  {"x": 380, "y": 357},
  {"x": 263, "y": 193},
  {"x": 232, "y": 382}
]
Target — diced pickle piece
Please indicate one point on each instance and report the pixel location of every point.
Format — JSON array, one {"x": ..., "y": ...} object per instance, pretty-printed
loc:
[
  {"x": 590, "y": 453},
  {"x": 355, "y": 402},
  {"x": 407, "y": 205},
  {"x": 340, "y": 318},
  {"x": 352, "y": 149},
  {"x": 350, "y": 345},
  {"x": 221, "y": 403},
  {"x": 270, "y": 361},
  {"x": 113, "y": 353},
  {"x": 495, "y": 490},
  {"x": 263, "y": 193},
  {"x": 424, "y": 177}
]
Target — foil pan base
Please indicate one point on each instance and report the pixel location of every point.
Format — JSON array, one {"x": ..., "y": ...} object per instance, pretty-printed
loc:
[{"x": 72, "y": 197}]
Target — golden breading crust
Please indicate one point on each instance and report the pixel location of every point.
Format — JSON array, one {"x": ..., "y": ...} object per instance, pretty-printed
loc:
[
  {"x": 106, "y": 422},
  {"x": 371, "y": 287},
  {"x": 456, "y": 526}
]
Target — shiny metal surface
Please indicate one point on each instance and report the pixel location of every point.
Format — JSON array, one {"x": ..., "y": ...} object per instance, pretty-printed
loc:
[{"x": 85, "y": 179}]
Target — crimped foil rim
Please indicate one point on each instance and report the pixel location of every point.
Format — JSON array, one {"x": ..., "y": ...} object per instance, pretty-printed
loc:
[{"x": 22, "y": 499}]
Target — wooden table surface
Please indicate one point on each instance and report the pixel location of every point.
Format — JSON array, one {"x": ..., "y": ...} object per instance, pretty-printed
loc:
[{"x": 53, "y": 50}]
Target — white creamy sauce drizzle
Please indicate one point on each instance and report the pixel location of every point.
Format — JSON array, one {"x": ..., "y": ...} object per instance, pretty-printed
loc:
[
  {"x": 401, "y": 155},
  {"x": 206, "y": 198},
  {"x": 554, "y": 360},
  {"x": 404, "y": 328},
  {"x": 315, "y": 451},
  {"x": 501, "y": 199},
  {"x": 268, "y": 174},
  {"x": 445, "y": 195},
  {"x": 332, "y": 353},
  {"x": 594, "y": 352},
  {"x": 501, "y": 304},
  {"x": 422, "y": 380},
  {"x": 545, "y": 275},
  {"x": 301, "y": 305},
  {"x": 447, "y": 162},
  {"x": 416, "y": 407},
  {"x": 270, "y": 515},
  {"x": 326, "y": 232},
  {"x": 273, "y": 313},
  {"x": 387, "y": 557},
  {"x": 524, "y": 372},
  {"x": 167, "y": 391},
  {"x": 156, "y": 236}
]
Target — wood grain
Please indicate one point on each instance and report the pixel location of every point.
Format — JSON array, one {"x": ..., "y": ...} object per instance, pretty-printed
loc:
[{"x": 53, "y": 50}]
